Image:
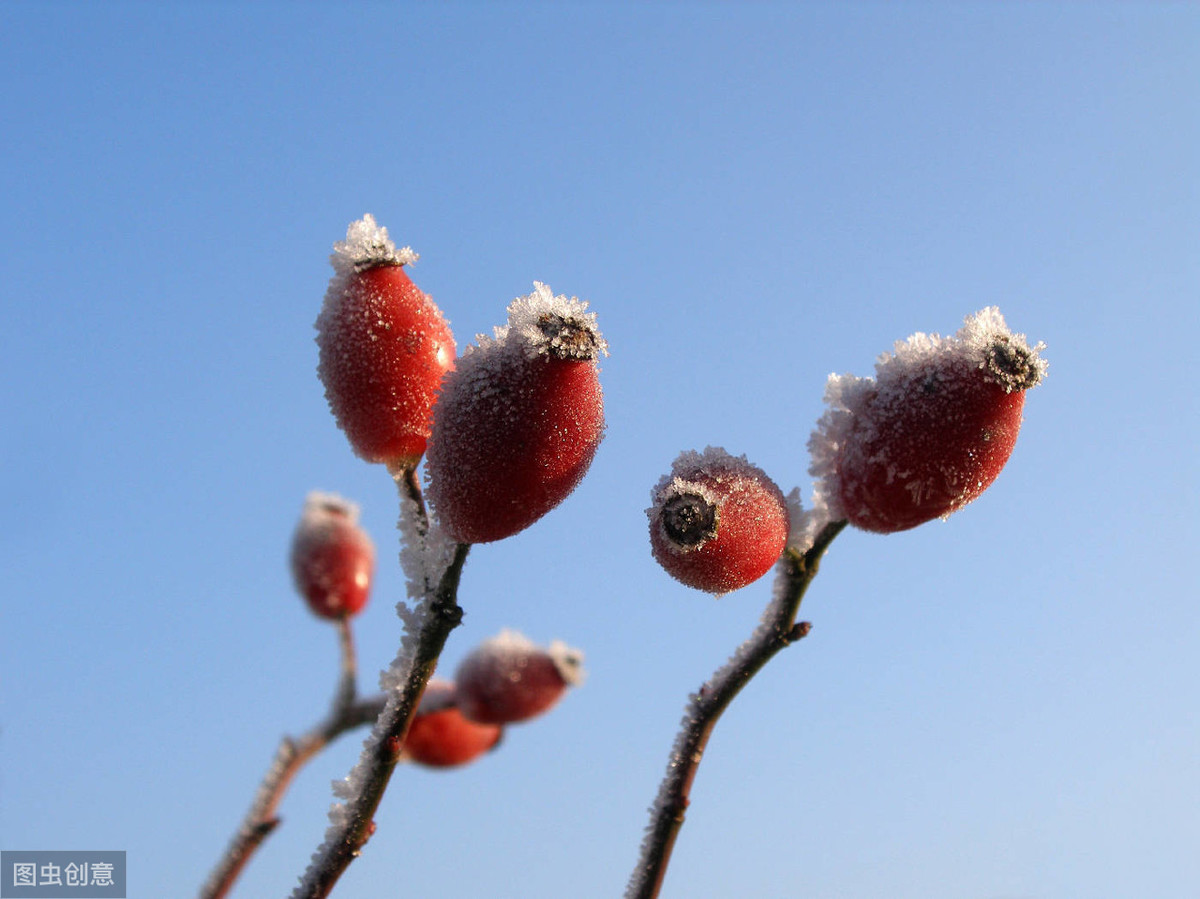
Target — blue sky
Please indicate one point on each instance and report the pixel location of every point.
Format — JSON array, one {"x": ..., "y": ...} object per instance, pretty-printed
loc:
[{"x": 751, "y": 196}]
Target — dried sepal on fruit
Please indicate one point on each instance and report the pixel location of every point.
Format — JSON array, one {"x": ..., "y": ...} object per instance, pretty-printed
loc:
[
  {"x": 930, "y": 432},
  {"x": 717, "y": 522},
  {"x": 332, "y": 558},
  {"x": 519, "y": 420},
  {"x": 509, "y": 678},
  {"x": 440, "y": 736},
  {"x": 383, "y": 348}
]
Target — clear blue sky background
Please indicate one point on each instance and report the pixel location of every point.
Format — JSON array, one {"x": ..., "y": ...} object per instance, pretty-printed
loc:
[{"x": 752, "y": 196}]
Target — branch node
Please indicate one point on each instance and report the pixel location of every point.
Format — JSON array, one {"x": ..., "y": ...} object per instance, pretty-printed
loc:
[{"x": 800, "y": 631}]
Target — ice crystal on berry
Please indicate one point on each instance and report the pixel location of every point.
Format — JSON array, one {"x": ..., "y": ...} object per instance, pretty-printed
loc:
[
  {"x": 549, "y": 325},
  {"x": 320, "y": 508},
  {"x": 511, "y": 644},
  {"x": 366, "y": 245}
]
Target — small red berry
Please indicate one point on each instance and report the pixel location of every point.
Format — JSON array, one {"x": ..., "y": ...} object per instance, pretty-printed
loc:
[
  {"x": 332, "y": 557},
  {"x": 518, "y": 421},
  {"x": 440, "y": 737},
  {"x": 384, "y": 347},
  {"x": 930, "y": 432},
  {"x": 509, "y": 678},
  {"x": 717, "y": 523}
]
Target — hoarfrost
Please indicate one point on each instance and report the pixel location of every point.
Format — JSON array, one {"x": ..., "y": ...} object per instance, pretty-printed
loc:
[
  {"x": 545, "y": 324},
  {"x": 318, "y": 506},
  {"x": 689, "y": 471},
  {"x": 394, "y": 683},
  {"x": 367, "y": 244},
  {"x": 805, "y": 523},
  {"x": 426, "y": 550},
  {"x": 682, "y": 754},
  {"x": 510, "y": 645},
  {"x": 569, "y": 662}
]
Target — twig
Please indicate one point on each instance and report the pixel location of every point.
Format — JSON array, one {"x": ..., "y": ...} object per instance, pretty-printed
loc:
[
  {"x": 427, "y": 627},
  {"x": 777, "y": 630},
  {"x": 344, "y": 714}
]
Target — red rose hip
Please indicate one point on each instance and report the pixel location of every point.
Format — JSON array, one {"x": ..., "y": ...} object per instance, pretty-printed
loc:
[
  {"x": 332, "y": 558},
  {"x": 509, "y": 678},
  {"x": 717, "y": 522},
  {"x": 518, "y": 421},
  {"x": 383, "y": 348},
  {"x": 440, "y": 737},
  {"x": 930, "y": 432}
]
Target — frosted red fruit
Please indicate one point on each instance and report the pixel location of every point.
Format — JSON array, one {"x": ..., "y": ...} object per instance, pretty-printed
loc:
[
  {"x": 930, "y": 432},
  {"x": 509, "y": 678},
  {"x": 717, "y": 522},
  {"x": 518, "y": 421},
  {"x": 384, "y": 347},
  {"x": 440, "y": 737},
  {"x": 332, "y": 558}
]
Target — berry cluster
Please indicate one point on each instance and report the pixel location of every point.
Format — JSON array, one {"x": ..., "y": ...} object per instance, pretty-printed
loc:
[
  {"x": 919, "y": 441},
  {"x": 509, "y": 432},
  {"x": 505, "y": 680},
  {"x": 509, "y": 429}
]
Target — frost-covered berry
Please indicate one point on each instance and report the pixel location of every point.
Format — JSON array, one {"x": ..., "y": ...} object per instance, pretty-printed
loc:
[
  {"x": 717, "y": 522},
  {"x": 518, "y": 421},
  {"x": 930, "y": 432},
  {"x": 384, "y": 347},
  {"x": 440, "y": 737},
  {"x": 332, "y": 558},
  {"x": 509, "y": 678}
]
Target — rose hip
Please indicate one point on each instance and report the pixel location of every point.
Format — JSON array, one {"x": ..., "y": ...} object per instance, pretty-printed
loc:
[
  {"x": 930, "y": 432},
  {"x": 383, "y": 348},
  {"x": 332, "y": 558},
  {"x": 717, "y": 522}
]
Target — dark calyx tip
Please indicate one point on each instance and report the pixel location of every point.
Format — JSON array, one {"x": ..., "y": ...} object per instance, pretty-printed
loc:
[
  {"x": 568, "y": 337},
  {"x": 1014, "y": 366},
  {"x": 689, "y": 520}
]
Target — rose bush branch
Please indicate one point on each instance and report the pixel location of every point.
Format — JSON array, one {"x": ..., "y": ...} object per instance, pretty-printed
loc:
[
  {"x": 345, "y": 713},
  {"x": 517, "y": 424},
  {"x": 924, "y": 437},
  {"x": 777, "y": 631}
]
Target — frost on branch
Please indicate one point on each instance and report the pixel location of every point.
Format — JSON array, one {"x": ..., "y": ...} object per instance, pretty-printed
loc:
[
  {"x": 930, "y": 431},
  {"x": 427, "y": 556},
  {"x": 805, "y": 523}
]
